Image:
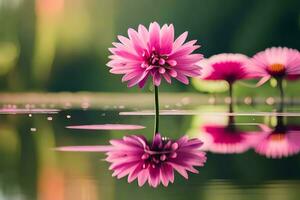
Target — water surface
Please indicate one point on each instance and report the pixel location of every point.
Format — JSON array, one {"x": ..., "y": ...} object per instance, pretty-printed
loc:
[{"x": 252, "y": 153}]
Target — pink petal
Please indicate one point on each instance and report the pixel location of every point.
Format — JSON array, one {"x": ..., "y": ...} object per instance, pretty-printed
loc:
[
  {"x": 137, "y": 43},
  {"x": 167, "y": 77},
  {"x": 182, "y": 79},
  {"x": 167, "y": 39},
  {"x": 190, "y": 59},
  {"x": 179, "y": 169},
  {"x": 164, "y": 175},
  {"x": 144, "y": 34},
  {"x": 184, "y": 50},
  {"x": 134, "y": 173},
  {"x": 154, "y": 31},
  {"x": 156, "y": 79},
  {"x": 131, "y": 75},
  {"x": 154, "y": 176},
  {"x": 126, "y": 171},
  {"x": 143, "y": 82},
  {"x": 137, "y": 79},
  {"x": 127, "y": 55},
  {"x": 142, "y": 177},
  {"x": 180, "y": 40}
]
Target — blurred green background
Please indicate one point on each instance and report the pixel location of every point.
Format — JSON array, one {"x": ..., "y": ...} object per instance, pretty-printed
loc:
[{"x": 61, "y": 45}]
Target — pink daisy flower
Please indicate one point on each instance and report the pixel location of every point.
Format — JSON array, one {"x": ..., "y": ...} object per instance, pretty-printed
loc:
[
  {"x": 226, "y": 66},
  {"x": 277, "y": 62},
  {"x": 225, "y": 139},
  {"x": 154, "y": 53},
  {"x": 278, "y": 143},
  {"x": 154, "y": 162}
]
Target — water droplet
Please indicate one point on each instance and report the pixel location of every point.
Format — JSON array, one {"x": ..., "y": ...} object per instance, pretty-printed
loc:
[
  {"x": 68, "y": 116},
  {"x": 227, "y": 100},
  {"x": 85, "y": 105},
  {"x": 49, "y": 118},
  {"x": 68, "y": 105},
  {"x": 270, "y": 100},
  {"x": 185, "y": 100},
  {"x": 178, "y": 104},
  {"x": 33, "y": 129},
  {"x": 212, "y": 100},
  {"x": 248, "y": 100}
]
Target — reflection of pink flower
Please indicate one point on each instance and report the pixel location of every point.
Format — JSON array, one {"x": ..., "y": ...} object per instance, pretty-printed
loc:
[
  {"x": 154, "y": 53},
  {"x": 225, "y": 66},
  {"x": 222, "y": 139},
  {"x": 135, "y": 157},
  {"x": 279, "y": 144},
  {"x": 278, "y": 62}
]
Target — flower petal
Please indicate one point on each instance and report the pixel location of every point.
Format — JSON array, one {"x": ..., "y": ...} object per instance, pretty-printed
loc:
[{"x": 154, "y": 31}]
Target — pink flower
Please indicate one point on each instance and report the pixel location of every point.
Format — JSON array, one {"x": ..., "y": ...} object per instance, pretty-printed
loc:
[
  {"x": 154, "y": 53},
  {"x": 278, "y": 143},
  {"x": 225, "y": 139},
  {"x": 277, "y": 62},
  {"x": 225, "y": 66},
  {"x": 156, "y": 162}
]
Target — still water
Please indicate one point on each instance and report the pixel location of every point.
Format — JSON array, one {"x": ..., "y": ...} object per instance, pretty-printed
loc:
[{"x": 251, "y": 154}]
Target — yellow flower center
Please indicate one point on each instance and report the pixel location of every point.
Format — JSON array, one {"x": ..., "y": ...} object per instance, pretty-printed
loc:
[
  {"x": 277, "y": 136},
  {"x": 276, "y": 68}
]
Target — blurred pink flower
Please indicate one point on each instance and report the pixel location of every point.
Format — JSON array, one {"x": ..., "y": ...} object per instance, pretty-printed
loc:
[
  {"x": 278, "y": 143},
  {"x": 154, "y": 53},
  {"x": 156, "y": 162},
  {"x": 277, "y": 62},
  {"x": 225, "y": 139},
  {"x": 226, "y": 66}
]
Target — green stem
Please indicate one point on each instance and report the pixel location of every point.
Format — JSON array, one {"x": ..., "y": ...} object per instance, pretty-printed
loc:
[
  {"x": 231, "y": 97},
  {"x": 156, "y": 129},
  {"x": 280, "y": 87}
]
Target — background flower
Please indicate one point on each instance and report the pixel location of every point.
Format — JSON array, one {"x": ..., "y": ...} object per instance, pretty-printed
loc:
[
  {"x": 277, "y": 62},
  {"x": 226, "y": 139},
  {"x": 280, "y": 142},
  {"x": 226, "y": 66}
]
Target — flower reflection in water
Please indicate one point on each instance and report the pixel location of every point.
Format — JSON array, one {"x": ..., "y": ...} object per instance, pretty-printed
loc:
[
  {"x": 226, "y": 139},
  {"x": 282, "y": 141},
  {"x": 155, "y": 161}
]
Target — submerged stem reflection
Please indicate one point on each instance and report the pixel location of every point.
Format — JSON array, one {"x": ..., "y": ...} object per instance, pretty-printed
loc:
[{"x": 156, "y": 129}]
